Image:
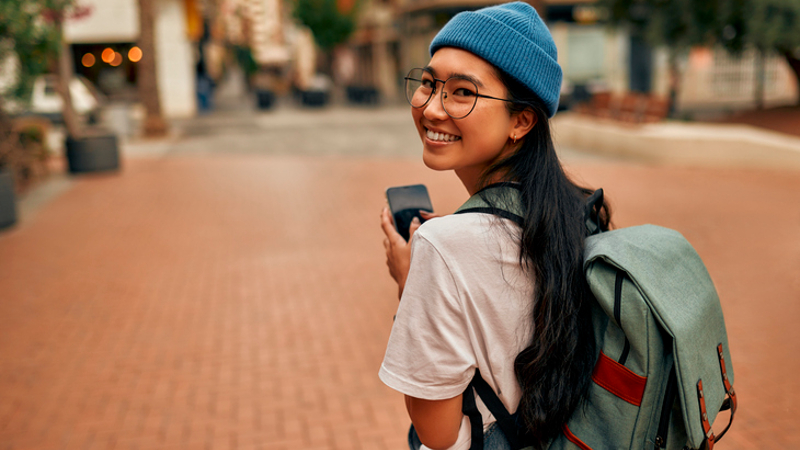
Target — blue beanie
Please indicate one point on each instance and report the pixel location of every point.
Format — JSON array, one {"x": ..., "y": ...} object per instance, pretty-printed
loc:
[{"x": 513, "y": 38}]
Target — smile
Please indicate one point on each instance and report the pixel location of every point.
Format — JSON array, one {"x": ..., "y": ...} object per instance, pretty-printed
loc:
[{"x": 440, "y": 137}]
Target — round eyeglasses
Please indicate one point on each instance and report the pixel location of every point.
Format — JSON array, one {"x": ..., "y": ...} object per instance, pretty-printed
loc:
[{"x": 459, "y": 94}]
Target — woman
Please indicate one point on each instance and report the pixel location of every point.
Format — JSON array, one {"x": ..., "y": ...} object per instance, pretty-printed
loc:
[{"x": 477, "y": 290}]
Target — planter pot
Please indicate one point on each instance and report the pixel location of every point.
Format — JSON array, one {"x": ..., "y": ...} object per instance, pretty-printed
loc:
[
  {"x": 364, "y": 95},
  {"x": 314, "y": 98},
  {"x": 265, "y": 98},
  {"x": 8, "y": 200},
  {"x": 94, "y": 153}
]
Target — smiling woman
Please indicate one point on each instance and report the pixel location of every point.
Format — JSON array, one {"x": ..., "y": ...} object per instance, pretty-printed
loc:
[
  {"x": 466, "y": 131},
  {"x": 484, "y": 297}
]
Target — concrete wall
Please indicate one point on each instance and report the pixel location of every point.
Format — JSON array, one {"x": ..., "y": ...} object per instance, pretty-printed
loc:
[
  {"x": 176, "y": 61},
  {"x": 109, "y": 21},
  {"x": 680, "y": 143}
]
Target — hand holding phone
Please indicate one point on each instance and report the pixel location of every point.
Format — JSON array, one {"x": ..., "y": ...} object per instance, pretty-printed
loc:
[{"x": 405, "y": 202}]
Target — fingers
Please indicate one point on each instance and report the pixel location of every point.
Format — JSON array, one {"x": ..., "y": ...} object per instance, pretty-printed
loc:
[{"x": 388, "y": 226}]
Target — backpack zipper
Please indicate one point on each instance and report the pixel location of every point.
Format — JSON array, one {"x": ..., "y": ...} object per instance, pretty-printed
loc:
[{"x": 666, "y": 409}]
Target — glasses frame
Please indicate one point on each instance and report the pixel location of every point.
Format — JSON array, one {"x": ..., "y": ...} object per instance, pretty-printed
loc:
[{"x": 444, "y": 95}]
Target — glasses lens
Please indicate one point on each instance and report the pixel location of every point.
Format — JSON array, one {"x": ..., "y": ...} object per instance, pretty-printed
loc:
[
  {"x": 419, "y": 87},
  {"x": 460, "y": 96}
]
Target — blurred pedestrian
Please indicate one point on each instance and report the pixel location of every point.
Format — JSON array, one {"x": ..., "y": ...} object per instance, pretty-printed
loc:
[
  {"x": 477, "y": 290},
  {"x": 205, "y": 88}
]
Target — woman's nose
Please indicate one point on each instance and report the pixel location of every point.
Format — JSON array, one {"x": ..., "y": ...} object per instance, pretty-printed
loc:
[{"x": 434, "y": 109}]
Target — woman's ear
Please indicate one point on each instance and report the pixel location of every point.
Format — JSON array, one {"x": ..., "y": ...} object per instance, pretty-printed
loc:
[{"x": 522, "y": 123}]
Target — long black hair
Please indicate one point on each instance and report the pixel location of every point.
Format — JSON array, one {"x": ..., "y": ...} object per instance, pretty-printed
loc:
[{"x": 554, "y": 371}]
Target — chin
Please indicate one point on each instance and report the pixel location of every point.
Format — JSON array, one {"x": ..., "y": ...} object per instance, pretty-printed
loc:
[{"x": 434, "y": 163}]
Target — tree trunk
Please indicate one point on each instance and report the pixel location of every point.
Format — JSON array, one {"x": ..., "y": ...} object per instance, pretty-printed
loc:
[
  {"x": 65, "y": 71},
  {"x": 7, "y": 141},
  {"x": 794, "y": 64},
  {"x": 760, "y": 68},
  {"x": 674, "y": 82},
  {"x": 147, "y": 83}
]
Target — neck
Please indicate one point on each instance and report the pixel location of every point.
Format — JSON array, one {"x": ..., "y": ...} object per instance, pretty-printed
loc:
[
  {"x": 473, "y": 179},
  {"x": 470, "y": 179}
]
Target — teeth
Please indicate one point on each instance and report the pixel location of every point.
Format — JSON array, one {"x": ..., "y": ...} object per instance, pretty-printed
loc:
[{"x": 434, "y": 136}]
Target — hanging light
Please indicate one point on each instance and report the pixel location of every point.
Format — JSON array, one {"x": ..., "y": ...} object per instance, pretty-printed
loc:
[
  {"x": 88, "y": 60},
  {"x": 117, "y": 59},
  {"x": 108, "y": 55},
  {"x": 135, "y": 54}
]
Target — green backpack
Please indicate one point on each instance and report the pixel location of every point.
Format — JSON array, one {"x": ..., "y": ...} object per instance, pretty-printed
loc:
[{"x": 660, "y": 333}]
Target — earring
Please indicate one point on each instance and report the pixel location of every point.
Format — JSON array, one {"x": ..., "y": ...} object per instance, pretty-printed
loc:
[{"x": 515, "y": 138}]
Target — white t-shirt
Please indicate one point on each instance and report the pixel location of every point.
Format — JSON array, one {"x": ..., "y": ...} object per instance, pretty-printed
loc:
[{"x": 467, "y": 303}]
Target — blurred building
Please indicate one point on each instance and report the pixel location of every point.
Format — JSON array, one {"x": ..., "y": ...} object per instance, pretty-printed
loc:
[
  {"x": 376, "y": 49},
  {"x": 284, "y": 53},
  {"x": 604, "y": 59},
  {"x": 713, "y": 80},
  {"x": 393, "y": 36},
  {"x": 259, "y": 24},
  {"x": 104, "y": 50}
]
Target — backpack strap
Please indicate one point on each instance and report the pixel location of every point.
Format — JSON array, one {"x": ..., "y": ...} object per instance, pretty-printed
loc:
[
  {"x": 470, "y": 409},
  {"x": 729, "y": 403},
  {"x": 516, "y": 435},
  {"x": 505, "y": 200},
  {"x": 500, "y": 199},
  {"x": 592, "y": 211}
]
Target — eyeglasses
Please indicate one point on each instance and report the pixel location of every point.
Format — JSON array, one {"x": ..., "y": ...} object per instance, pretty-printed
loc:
[{"x": 459, "y": 94}]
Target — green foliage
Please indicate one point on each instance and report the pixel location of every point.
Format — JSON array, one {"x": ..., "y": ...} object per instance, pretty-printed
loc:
[
  {"x": 774, "y": 24},
  {"x": 26, "y": 32},
  {"x": 767, "y": 24},
  {"x": 329, "y": 26},
  {"x": 244, "y": 56},
  {"x": 675, "y": 23}
]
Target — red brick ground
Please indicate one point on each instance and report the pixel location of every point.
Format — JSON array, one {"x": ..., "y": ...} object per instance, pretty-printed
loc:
[{"x": 242, "y": 302}]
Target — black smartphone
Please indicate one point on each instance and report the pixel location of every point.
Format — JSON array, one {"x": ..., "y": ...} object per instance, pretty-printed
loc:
[{"x": 405, "y": 203}]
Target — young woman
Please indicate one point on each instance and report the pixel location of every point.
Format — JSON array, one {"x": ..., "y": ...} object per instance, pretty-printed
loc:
[{"x": 478, "y": 291}]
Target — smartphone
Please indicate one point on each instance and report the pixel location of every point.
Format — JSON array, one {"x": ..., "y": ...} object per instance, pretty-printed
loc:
[{"x": 405, "y": 203}]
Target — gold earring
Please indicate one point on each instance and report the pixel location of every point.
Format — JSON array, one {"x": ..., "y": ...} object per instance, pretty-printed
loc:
[{"x": 515, "y": 138}]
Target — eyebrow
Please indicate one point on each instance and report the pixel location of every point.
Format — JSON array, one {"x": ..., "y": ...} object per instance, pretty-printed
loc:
[{"x": 457, "y": 75}]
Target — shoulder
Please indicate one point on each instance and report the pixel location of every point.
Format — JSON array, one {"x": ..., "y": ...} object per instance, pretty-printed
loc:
[{"x": 464, "y": 229}]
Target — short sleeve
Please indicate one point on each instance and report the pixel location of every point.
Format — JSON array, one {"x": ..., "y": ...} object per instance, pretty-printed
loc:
[{"x": 429, "y": 354}]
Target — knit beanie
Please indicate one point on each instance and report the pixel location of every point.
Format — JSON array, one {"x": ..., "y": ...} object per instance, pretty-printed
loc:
[{"x": 513, "y": 38}]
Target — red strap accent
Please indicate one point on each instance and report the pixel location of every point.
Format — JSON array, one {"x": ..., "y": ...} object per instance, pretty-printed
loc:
[
  {"x": 728, "y": 389},
  {"x": 725, "y": 380},
  {"x": 704, "y": 416},
  {"x": 574, "y": 439},
  {"x": 619, "y": 380}
]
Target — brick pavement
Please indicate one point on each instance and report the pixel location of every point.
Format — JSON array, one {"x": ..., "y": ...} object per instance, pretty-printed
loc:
[{"x": 210, "y": 301}]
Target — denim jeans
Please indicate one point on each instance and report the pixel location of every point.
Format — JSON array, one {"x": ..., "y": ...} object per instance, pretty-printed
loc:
[{"x": 493, "y": 439}]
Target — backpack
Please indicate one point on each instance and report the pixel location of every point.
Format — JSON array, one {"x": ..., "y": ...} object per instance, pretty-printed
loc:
[{"x": 663, "y": 369}]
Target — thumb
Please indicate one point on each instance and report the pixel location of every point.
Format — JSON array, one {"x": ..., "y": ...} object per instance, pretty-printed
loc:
[
  {"x": 427, "y": 215},
  {"x": 415, "y": 223}
]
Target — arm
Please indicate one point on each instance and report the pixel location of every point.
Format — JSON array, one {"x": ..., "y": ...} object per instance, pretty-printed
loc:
[
  {"x": 437, "y": 421},
  {"x": 420, "y": 323}
]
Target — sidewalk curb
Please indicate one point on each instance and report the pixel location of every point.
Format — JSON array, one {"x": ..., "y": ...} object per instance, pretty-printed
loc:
[{"x": 679, "y": 143}]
